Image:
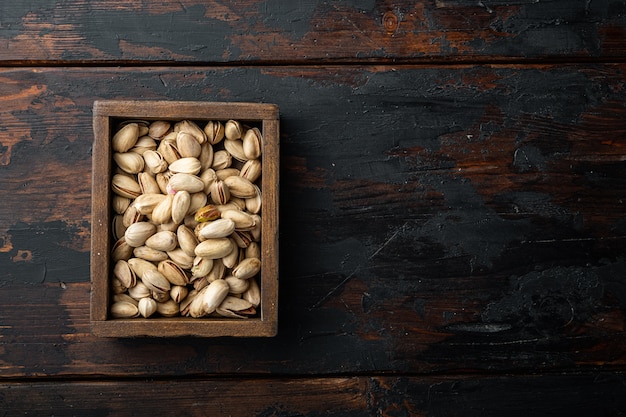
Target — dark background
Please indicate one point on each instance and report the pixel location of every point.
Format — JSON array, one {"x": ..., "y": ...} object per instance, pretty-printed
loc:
[{"x": 452, "y": 222}]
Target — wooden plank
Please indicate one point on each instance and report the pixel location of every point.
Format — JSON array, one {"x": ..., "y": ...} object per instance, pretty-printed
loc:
[
  {"x": 254, "y": 31},
  {"x": 433, "y": 219},
  {"x": 355, "y": 396}
]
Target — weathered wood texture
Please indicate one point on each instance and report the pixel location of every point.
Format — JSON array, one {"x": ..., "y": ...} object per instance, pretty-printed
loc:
[
  {"x": 354, "y": 396},
  {"x": 433, "y": 219},
  {"x": 255, "y": 31}
]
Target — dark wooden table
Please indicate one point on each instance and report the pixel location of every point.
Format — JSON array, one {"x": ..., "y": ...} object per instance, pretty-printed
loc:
[{"x": 452, "y": 214}]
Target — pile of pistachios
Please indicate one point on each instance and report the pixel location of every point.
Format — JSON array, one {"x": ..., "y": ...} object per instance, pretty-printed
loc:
[{"x": 186, "y": 219}]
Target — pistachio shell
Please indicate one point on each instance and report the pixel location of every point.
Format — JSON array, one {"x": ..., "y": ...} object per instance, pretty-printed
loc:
[
  {"x": 140, "y": 266},
  {"x": 232, "y": 258},
  {"x": 178, "y": 293},
  {"x": 222, "y": 174},
  {"x": 159, "y": 128},
  {"x": 180, "y": 206},
  {"x": 247, "y": 268},
  {"x": 186, "y": 240},
  {"x": 163, "y": 241},
  {"x": 218, "y": 228},
  {"x": 129, "y": 162},
  {"x": 149, "y": 254},
  {"x": 160, "y": 297},
  {"x": 121, "y": 250},
  {"x": 251, "y": 170},
  {"x": 125, "y": 186},
  {"x": 201, "y": 267},
  {"x": 181, "y": 258},
  {"x": 243, "y": 220},
  {"x": 120, "y": 204},
  {"x": 187, "y": 145},
  {"x": 139, "y": 291},
  {"x": 240, "y": 187},
  {"x": 235, "y": 307},
  {"x": 252, "y": 143},
  {"x": 155, "y": 281},
  {"x": 214, "y": 131},
  {"x": 125, "y": 138},
  {"x": 207, "y": 213},
  {"x": 214, "y": 248},
  {"x": 144, "y": 143},
  {"x": 117, "y": 227},
  {"x": 197, "y": 200},
  {"x": 131, "y": 215},
  {"x": 220, "y": 194},
  {"x": 124, "y": 310},
  {"x": 185, "y": 182},
  {"x": 162, "y": 212},
  {"x": 253, "y": 250},
  {"x": 173, "y": 273},
  {"x": 217, "y": 272},
  {"x": 146, "y": 203},
  {"x": 209, "y": 298},
  {"x": 253, "y": 293},
  {"x": 154, "y": 161},
  {"x": 127, "y": 276},
  {"x": 233, "y": 130},
  {"x": 193, "y": 129},
  {"x": 167, "y": 148},
  {"x": 235, "y": 148},
  {"x": 147, "y": 307},
  {"x": 186, "y": 165},
  {"x": 221, "y": 159},
  {"x": 148, "y": 183},
  {"x": 253, "y": 204},
  {"x": 206, "y": 155},
  {"x": 124, "y": 297},
  {"x": 169, "y": 308},
  {"x": 137, "y": 233},
  {"x": 236, "y": 285}
]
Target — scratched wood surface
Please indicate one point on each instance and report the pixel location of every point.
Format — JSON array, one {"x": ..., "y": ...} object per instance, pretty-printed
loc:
[{"x": 452, "y": 219}]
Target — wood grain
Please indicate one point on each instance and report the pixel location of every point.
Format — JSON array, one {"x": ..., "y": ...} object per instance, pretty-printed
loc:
[
  {"x": 547, "y": 395},
  {"x": 254, "y": 31},
  {"x": 445, "y": 219}
]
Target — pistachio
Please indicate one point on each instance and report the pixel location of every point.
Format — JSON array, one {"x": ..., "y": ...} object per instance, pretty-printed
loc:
[
  {"x": 167, "y": 148},
  {"x": 117, "y": 287},
  {"x": 206, "y": 155},
  {"x": 235, "y": 307},
  {"x": 124, "y": 310},
  {"x": 187, "y": 145},
  {"x": 127, "y": 276},
  {"x": 252, "y": 143},
  {"x": 169, "y": 308},
  {"x": 139, "y": 291},
  {"x": 173, "y": 273},
  {"x": 121, "y": 250},
  {"x": 233, "y": 130},
  {"x": 251, "y": 170},
  {"x": 235, "y": 148},
  {"x": 148, "y": 183},
  {"x": 236, "y": 285},
  {"x": 218, "y": 228},
  {"x": 191, "y": 128},
  {"x": 243, "y": 220},
  {"x": 214, "y": 131},
  {"x": 155, "y": 281},
  {"x": 178, "y": 293},
  {"x": 253, "y": 250},
  {"x": 232, "y": 258},
  {"x": 220, "y": 194},
  {"x": 144, "y": 143},
  {"x": 158, "y": 129},
  {"x": 137, "y": 233},
  {"x": 125, "y": 186},
  {"x": 253, "y": 293},
  {"x": 124, "y": 297},
  {"x": 242, "y": 239},
  {"x": 198, "y": 200},
  {"x": 120, "y": 204},
  {"x": 222, "y": 174},
  {"x": 164, "y": 241},
  {"x": 129, "y": 162},
  {"x": 125, "y": 138},
  {"x": 214, "y": 248},
  {"x": 201, "y": 267},
  {"x": 154, "y": 161},
  {"x": 181, "y": 258},
  {"x": 149, "y": 254},
  {"x": 186, "y": 240},
  {"x": 186, "y": 165},
  {"x": 209, "y": 298},
  {"x": 162, "y": 179},
  {"x": 162, "y": 212},
  {"x": 147, "y": 307},
  {"x": 185, "y": 182},
  {"x": 160, "y": 297},
  {"x": 207, "y": 213},
  {"x": 140, "y": 266},
  {"x": 247, "y": 268},
  {"x": 217, "y": 272},
  {"x": 208, "y": 176},
  {"x": 240, "y": 187},
  {"x": 117, "y": 227},
  {"x": 221, "y": 159}
]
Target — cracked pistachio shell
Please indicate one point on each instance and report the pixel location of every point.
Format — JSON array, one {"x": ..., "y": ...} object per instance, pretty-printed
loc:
[
  {"x": 145, "y": 203},
  {"x": 160, "y": 297},
  {"x": 140, "y": 266},
  {"x": 121, "y": 250},
  {"x": 147, "y": 307},
  {"x": 181, "y": 258},
  {"x": 214, "y": 131},
  {"x": 178, "y": 293},
  {"x": 252, "y": 143},
  {"x": 120, "y": 204},
  {"x": 148, "y": 183},
  {"x": 167, "y": 148},
  {"x": 154, "y": 162},
  {"x": 173, "y": 273},
  {"x": 253, "y": 204},
  {"x": 124, "y": 310},
  {"x": 191, "y": 128},
  {"x": 144, "y": 143},
  {"x": 221, "y": 159},
  {"x": 125, "y": 138},
  {"x": 251, "y": 170},
  {"x": 235, "y": 307},
  {"x": 125, "y": 186},
  {"x": 220, "y": 194},
  {"x": 139, "y": 291},
  {"x": 201, "y": 267},
  {"x": 242, "y": 238},
  {"x": 127, "y": 276},
  {"x": 155, "y": 281}
]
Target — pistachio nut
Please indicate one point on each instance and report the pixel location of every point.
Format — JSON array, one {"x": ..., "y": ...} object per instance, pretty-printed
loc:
[
  {"x": 187, "y": 145},
  {"x": 154, "y": 161},
  {"x": 145, "y": 203},
  {"x": 148, "y": 183},
  {"x": 147, "y": 307},
  {"x": 233, "y": 130},
  {"x": 178, "y": 293},
  {"x": 221, "y": 159},
  {"x": 253, "y": 293},
  {"x": 185, "y": 182},
  {"x": 180, "y": 206},
  {"x": 214, "y": 131},
  {"x": 235, "y": 148},
  {"x": 206, "y": 155},
  {"x": 201, "y": 267},
  {"x": 158, "y": 129},
  {"x": 169, "y": 308},
  {"x": 186, "y": 240},
  {"x": 139, "y": 291},
  {"x": 120, "y": 204},
  {"x": 162, "y": 212},
  {"x": 240, "y": 187},
  {"x": 232, "y": 258},
  {"x": 243, "y": 220},
  {"x": 167, "y": 148},
  {"x": 121, "y": 250},
  {"x": 191, "y": 128},
  {"x": 235, "y": 307},
  {"x": 207, "y": 213},
  {"x": 247, "y": 268},
  {"x": 237, "y": 285},
  {"x": 252, "y": 143},
  {"x": 214, "y": 248},
  {"x": 217, "y": 228},
  {"x": 129, "y": 162},
  {"x": 155, "y": 281},
  {"x": 149, "y": 254},
  {"x": 220, "y": 194},
  {"x": 125, "y": 138},
  {"x": 251, "y": 170},
  {"x": 125, "y": 186},
  {"x": 137, "y": 233},
  {"x": 181, "y": 258},
  {"x": 140, "y": 266},
  {"x": 124, "y": 310},
  {"x": 186, "y": 165},
  {"x": 144, "y": 143},
  {"x": 173, "y": 273},
  {"x": 164, "y": 241},
  {"x": 127, "y": 276}
]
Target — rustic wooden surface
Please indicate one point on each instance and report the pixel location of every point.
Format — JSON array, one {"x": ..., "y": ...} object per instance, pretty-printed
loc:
[{"x": 453, "y": 192}]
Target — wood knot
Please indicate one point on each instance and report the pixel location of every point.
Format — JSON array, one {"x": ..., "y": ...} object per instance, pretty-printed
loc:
[{"x": 390, "y": 22}]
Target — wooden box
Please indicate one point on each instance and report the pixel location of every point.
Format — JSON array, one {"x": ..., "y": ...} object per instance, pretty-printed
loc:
[{"x": 107, "y": 115}]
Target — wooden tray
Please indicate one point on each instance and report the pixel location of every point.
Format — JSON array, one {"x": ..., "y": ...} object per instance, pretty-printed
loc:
[{"x": 106, "y": 114}]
